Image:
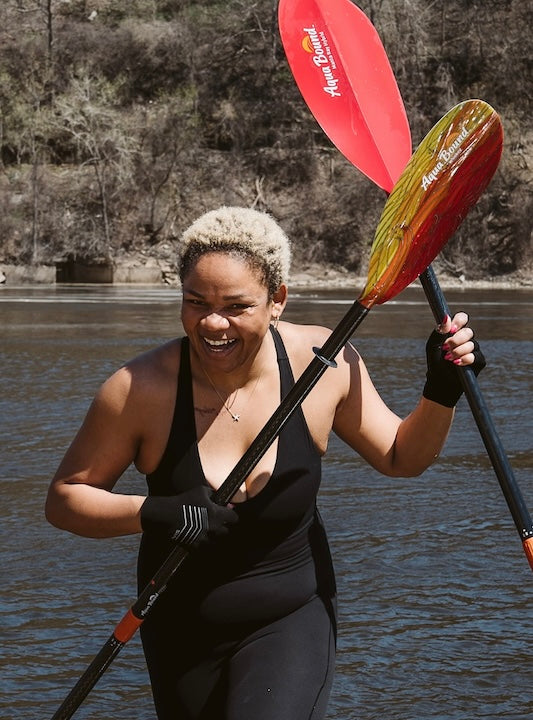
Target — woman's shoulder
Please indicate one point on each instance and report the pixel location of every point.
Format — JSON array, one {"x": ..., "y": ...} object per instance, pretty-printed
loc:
[
  {"x": 296, "y": 333},
  {"x": 300, "y": 340},
  {"x": 163, "y": 358},
  {"x": 146, "y": 374}
]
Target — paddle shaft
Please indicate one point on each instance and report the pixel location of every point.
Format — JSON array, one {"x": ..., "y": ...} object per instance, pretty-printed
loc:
[
  {"x": 133, "y": 619},
  {"x": 491, "y": 440}
]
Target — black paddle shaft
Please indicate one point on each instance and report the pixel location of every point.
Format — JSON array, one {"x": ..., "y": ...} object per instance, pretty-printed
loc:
[
  {"x": 88, "y": 680},
  {"x": 324, "y": 358},
  {"x": 502, "y": 467}
]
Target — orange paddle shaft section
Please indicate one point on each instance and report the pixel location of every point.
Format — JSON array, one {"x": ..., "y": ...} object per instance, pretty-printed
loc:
[
  {"x": 528, "y": 549},
  {"x": 127, "y": 627}
]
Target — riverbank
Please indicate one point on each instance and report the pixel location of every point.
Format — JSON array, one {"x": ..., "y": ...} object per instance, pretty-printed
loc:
[
  {"x": 140, "y": 271},
  {"x": 321, "y": 277}
]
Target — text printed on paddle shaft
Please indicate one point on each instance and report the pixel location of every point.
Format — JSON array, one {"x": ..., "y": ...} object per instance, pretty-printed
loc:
[
  {"x": 151, "y": 600},
  {"x": 445, "y": 156},
  {"x": 317, "y": 43}
]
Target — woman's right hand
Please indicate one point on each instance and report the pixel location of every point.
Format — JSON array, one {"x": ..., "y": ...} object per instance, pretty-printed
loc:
[{"x": 189, "y": 518}]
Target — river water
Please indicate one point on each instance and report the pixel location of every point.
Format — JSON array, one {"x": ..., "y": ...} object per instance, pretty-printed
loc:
[{"x": 436, "y": 597}]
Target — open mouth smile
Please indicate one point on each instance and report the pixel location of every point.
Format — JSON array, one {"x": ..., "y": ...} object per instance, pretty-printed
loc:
[{"x": 219, "y": 344}]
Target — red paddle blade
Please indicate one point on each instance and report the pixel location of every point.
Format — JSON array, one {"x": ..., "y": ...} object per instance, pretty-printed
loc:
[
  {"x": 449, "y": 170},
  {"x": 342, "y": 70}
]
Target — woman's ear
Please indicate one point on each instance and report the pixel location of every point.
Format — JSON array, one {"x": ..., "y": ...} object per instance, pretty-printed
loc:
[{"x": 279, "y": 300}]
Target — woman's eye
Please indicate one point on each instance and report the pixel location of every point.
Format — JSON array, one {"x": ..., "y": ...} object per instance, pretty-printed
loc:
[{"x": 232, "y": 308}]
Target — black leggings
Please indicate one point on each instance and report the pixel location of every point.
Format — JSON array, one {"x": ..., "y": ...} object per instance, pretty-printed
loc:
[{"x": 282, "y": 671}]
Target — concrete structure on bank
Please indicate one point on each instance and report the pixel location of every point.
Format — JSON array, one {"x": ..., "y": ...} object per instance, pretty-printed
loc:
[{"x": 75, "y": 272}]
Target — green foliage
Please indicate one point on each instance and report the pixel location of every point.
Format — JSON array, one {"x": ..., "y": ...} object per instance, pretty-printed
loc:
[{"x": 121, "y": 120}]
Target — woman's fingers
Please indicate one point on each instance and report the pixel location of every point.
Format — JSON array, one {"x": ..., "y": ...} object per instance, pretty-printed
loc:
[{"x": 459, "y": 346}]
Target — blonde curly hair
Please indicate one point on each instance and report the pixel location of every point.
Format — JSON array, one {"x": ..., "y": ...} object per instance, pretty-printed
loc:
[{"x": 240, "y": 232}]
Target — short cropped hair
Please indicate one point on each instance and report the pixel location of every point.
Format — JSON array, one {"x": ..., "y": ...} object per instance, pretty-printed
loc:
[{"x": 253, "y": 236}]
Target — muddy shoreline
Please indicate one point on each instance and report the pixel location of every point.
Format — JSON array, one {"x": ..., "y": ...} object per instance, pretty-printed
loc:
[
  {"x": 320, "y": 277},
  {"x": 310, "y": 277}
]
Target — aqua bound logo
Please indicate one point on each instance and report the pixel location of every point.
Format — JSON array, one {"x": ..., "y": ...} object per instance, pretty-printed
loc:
[
  {"x": 151, "y": 600},
  {"x": 445, "y": 156},
  {"x": 316, "y": 44}
]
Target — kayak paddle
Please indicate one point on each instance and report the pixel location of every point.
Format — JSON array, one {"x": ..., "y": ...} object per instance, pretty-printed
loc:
[
  {"x": 409, "y": 235},
  {"x": 335, "y": 54}
]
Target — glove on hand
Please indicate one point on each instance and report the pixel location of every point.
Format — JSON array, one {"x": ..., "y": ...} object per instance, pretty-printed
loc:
[
  {"x": 189, "y": 518},
  {"x": 443, "y": 381}
]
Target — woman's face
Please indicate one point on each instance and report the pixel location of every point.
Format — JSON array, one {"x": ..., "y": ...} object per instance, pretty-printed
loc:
[{"x": 226, "y": 311}]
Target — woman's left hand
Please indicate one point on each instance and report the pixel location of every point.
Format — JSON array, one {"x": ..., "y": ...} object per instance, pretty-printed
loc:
[
  {"x": 452, "y": 343},
  {"x": 459, "y": 347}
]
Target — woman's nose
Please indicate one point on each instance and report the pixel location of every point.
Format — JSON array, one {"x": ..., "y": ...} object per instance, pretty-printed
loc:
[{"x": 216, "y": 321}]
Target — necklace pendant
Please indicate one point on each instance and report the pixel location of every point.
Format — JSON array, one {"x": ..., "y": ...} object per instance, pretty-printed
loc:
[{"x": 235, "y": 418}]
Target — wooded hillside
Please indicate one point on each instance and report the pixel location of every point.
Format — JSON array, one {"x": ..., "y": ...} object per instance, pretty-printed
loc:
[{"x": 122, "y": 120}]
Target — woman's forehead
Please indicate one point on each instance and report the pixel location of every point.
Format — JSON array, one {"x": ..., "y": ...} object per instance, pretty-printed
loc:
[{"x": 224, "y": 274}]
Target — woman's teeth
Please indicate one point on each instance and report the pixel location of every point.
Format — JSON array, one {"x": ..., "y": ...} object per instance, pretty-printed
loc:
[{"x": 218, "y": 343}]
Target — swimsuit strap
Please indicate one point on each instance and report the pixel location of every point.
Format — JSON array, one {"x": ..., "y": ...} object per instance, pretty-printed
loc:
[{"x": 285, "y": 370}]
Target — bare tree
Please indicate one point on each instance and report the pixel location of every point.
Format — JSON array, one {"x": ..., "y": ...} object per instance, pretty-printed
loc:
[
  {"x": 36, "y": 15},
  {"x": 88, "y": 114}
]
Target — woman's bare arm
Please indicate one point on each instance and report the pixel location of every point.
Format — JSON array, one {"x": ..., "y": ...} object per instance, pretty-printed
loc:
[{"x": 80, "y": 497}]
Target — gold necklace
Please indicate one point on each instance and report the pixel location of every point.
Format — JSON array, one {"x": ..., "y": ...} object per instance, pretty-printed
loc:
[{"x": 234, "y": 417}]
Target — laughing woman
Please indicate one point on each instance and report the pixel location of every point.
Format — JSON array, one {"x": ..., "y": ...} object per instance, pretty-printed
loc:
[{"x": 248, "y": 630}]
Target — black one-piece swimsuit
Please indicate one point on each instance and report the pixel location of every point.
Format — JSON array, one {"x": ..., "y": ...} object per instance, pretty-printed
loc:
[{"x": 246, "y": 629}]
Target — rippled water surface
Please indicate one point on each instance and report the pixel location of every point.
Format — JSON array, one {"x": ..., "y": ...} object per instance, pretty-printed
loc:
[{"x": 436, "y": 596}]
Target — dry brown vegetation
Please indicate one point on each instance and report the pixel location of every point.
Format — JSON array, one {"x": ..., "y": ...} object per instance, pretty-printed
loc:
[{"x": 122, "y": 120}]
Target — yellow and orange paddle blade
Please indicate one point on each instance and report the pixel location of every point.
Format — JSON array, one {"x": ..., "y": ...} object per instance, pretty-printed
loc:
[{"x": 445, "y": 177}]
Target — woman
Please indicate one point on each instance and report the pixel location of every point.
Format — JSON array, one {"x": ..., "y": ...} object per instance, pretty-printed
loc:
[{"x": 247, "y": 629}]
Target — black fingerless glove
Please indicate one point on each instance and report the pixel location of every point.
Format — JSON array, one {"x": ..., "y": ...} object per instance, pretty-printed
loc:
[
  {"x": 189, "y": 518},
  {"x": 443, "y": 381}
]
